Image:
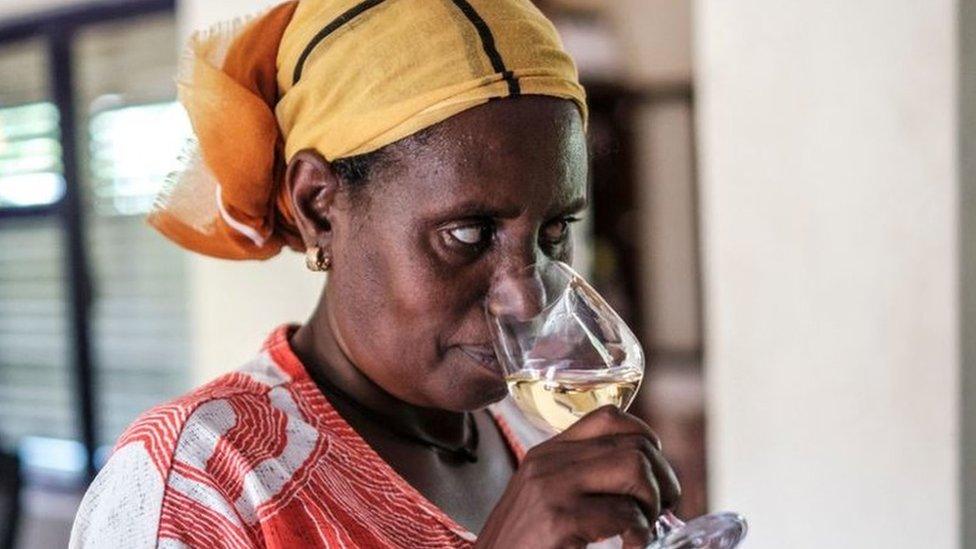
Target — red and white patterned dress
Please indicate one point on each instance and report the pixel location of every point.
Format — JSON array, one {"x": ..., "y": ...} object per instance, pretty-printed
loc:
[{"x": 259, "y": 458}]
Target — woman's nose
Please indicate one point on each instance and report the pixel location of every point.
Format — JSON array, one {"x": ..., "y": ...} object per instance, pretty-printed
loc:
[{"x": 521, "y": 295}]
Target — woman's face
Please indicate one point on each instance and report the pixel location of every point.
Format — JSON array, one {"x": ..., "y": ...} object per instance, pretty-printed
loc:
[{"x": 492, "y": 189}]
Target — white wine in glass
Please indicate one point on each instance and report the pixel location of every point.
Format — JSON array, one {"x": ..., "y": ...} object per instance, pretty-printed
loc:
[
  {"x": 557, "y": 398},
  {"x": 565, "y": 352}
]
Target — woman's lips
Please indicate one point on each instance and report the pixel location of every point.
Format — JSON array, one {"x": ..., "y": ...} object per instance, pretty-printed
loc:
[{"x": 484, "y": 355}]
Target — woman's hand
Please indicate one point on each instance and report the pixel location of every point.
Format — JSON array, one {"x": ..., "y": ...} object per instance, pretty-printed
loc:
[{"x": 604, "y": 476}]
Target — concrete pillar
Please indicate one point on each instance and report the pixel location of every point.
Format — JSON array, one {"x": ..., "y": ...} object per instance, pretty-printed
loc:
[{"x": 828, "y": 162}]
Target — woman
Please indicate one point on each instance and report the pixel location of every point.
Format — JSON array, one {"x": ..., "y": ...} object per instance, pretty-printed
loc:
[{"x": 368, "y": 135}]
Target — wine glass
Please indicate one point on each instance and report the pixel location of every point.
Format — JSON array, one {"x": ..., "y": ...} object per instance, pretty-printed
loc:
[{"x": 565, "y": 353}]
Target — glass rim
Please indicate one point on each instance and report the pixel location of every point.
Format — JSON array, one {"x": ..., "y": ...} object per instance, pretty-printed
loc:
[{"x": 561, "y": 267}]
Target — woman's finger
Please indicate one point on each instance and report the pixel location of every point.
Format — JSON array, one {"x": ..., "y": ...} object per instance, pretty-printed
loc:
[
  {"x": 627, "y": 474},
  {"x": 601, "y": 517},
  {"x": 608, "y": 420},
  {"x": 569, "y": 455}
]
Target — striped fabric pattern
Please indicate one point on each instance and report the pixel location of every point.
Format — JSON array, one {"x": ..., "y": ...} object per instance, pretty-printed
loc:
[{"x": 259, "y": 458}]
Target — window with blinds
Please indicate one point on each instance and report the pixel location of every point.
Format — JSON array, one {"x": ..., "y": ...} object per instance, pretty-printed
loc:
[
  {"x": 135, "y": 132},
  {"x": 35, "y": 378},
  {"x": 131, "y": 133},
  {"x": 35, "y": 382}
]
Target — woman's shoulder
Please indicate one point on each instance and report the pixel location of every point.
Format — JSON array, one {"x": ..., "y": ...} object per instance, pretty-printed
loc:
[
  {"x": 186, "y": 427},
  {"x": 192, "y": 451}
]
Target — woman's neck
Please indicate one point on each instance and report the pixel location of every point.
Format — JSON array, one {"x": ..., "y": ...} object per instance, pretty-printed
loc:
[{"x": 322, "y": 353}]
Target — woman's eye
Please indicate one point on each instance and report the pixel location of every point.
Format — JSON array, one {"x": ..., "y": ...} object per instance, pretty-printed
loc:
[
  {"x": 556, "y": 231},
  {"x": 471, "y": 235}
]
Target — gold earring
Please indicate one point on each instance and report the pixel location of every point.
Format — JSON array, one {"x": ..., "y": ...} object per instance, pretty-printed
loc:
[{"x": 316, "y": 260}]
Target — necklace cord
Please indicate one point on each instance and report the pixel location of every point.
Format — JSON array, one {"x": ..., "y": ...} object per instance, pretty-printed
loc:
[{"x": 466, "y": 451}]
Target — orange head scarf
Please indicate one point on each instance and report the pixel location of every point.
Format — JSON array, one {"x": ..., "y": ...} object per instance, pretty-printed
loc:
[{"x": 343, "y": 77}]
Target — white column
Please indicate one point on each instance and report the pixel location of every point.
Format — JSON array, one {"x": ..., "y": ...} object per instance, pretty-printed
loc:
[
  {"x": 827, "y": 134},
  {"x": 235, "y": 304}
]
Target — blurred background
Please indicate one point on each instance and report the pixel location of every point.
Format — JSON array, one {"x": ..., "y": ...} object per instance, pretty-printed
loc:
[{"x": 782, "y": 199}]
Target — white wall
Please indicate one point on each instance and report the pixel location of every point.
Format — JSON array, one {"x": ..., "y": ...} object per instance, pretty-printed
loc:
[
  {"x": 234, "y": 305},
  {"x": 828, "y": 171}
]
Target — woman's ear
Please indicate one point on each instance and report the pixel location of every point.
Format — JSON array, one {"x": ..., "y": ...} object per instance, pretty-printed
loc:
[{"x": 313, "y": 187}]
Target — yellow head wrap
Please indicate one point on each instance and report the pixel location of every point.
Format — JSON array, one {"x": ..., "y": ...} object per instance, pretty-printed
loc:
[{"x": 343, "y": 77}]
